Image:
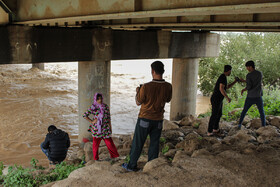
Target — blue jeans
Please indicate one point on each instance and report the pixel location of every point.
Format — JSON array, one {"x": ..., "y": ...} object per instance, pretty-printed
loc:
[
  {"x": 248, "y": 103},
  {"x": 45, "y": 151},
  {"x": 145, "y": 127}
]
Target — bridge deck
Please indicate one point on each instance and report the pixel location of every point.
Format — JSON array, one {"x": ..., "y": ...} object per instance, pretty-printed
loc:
[{"x": 218, "y": 15}]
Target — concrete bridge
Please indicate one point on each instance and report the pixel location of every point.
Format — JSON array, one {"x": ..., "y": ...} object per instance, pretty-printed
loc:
[{"x": 94, "y": 32}]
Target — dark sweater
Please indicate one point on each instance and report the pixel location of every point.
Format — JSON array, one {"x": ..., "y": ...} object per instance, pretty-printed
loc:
[
  {"x": 254, "y": 84},
  {"x": 57, "y": 142}
]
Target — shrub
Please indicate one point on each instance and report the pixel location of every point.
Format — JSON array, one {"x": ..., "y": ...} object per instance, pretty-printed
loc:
[{"x": 19, "y": 176}]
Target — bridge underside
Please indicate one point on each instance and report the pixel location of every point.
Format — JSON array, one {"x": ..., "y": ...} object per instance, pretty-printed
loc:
[{"x": 209, "y": 15}]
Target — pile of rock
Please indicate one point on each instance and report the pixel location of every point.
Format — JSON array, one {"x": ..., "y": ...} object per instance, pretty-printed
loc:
[{"x": 189, "y": 156}]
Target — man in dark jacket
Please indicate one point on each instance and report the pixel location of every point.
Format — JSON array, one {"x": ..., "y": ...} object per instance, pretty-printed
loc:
[{"x": 56, "y": 145}]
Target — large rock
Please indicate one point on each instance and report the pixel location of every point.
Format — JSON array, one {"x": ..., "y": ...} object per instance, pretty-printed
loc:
[
  {"x": 246, "y": 120},
  {"x": 169, "y": 125},
  {"x": 255, "y": 123},
  {"x": 171, "y": 153},
  {"x": 226, "y": 125},
  {"x": 275, "y": 121},
  {"x": 172, "y": 134},
  {"x": 230, "y": 154},
  {"x": 201, "y": 153},
  {"x": 153, "y": 164},
  {"x": 240, "y": 136},
  {"x": 187, "y": 121},
  {"x": 267, "y": 133},
  {"x": 201, "y": 125},
  {"x": 180, "y": 157},
  {"x": 88, "y": 151},
  {"x": 190, "y": 144}
]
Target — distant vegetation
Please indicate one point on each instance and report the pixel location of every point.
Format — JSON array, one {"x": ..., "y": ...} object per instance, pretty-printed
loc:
[{"x": 236, "y": 50}]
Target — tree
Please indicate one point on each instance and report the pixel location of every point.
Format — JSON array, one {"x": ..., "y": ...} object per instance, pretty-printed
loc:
[{"x": 236, "y": 50}]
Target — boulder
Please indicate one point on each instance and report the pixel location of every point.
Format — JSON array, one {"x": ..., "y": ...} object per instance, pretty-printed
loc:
[
  {"x": 158, "y": 162},
  {"x": 170, "y": 145},
  {"x": 179, "y": 157},
  {"x": 275, "y": 121},
  {"x": 255, "y": 123},
  {"x": 227, "y": 126},
  {"x": 230, "y": 154},
  {"x": 267, "y": 133},
  {"x": 201, "y": 153},
  {"x": 88, "y": 151},
  {"x": 246, "y": 120},
  {"x": 187, "y": 121},
  {"x": 172, "y": 134},
  {"x": 171, "y": 153},
  {"x": 190, "y": 144},
  {"x": 240, "y": 136},
  {"x": 169, "y": 125},
  {"x": 80, "y": 154}
]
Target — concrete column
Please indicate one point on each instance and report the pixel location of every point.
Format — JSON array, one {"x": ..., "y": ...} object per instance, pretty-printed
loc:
[
  {"x": 184, "y": 82},
  {"x": 40, "y": 66},
  {"x": 93, "y": 76}
]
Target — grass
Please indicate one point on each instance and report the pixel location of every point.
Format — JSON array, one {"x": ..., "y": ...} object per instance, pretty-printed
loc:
[{"x": 19, "y": 176}]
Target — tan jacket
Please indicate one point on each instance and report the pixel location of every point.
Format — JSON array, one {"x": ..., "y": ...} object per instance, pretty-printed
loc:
[{"x": 152, "y": 97}]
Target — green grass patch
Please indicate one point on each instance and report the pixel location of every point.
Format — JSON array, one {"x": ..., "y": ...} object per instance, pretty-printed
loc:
[{"x": 19, "y": 176}]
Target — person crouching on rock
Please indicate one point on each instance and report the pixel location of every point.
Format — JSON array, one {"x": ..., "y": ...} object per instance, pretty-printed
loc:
[
  {"x": 56, "y": 145},
  {"x": 100, "y": 126}
]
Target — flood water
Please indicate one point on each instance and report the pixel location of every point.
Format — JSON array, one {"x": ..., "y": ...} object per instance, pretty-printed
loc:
[{"x": 31, "y": 100}]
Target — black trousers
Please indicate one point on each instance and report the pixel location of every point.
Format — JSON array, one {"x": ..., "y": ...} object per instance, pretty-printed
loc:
[
  {"x": 217, "y": 108},
  {"x": 145, "y": 127}
]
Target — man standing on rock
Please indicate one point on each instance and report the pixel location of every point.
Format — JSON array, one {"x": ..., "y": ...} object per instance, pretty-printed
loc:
[
  {"x": 217, "y": 100},
  {"x": 152, "y": 97},
  {"x": 56, "y": 145},
  {"x": 254, "y": 94}
]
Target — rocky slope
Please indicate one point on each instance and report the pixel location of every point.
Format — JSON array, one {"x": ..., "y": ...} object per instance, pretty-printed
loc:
[{"x": 246, "y": 157}]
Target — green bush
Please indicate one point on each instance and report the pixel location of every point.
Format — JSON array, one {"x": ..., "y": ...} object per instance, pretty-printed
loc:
[{"x": 19, "y": 176}]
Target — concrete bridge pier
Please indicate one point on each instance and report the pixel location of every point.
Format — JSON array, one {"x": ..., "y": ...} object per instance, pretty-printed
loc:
[
  {"x": 93, "y": 76},
  {"x": 40, "y": 66},
  {"x": 184, "y": 81}
]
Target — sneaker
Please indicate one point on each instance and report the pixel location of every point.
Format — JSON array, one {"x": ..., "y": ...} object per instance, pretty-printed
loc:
[{"x": 125, "y": 166}]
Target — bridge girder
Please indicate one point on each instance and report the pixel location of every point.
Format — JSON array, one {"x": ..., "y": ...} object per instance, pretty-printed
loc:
[{"x": 219, "y": 15}]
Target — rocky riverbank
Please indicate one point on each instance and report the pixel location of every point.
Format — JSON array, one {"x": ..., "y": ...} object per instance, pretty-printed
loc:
[{"x": 246, "y": 157}]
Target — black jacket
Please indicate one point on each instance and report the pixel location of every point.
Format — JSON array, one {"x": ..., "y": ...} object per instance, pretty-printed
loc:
[{"x": 57, "y": 143}]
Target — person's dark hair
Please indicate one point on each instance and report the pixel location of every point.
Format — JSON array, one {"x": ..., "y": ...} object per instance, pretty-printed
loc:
[
  {"x": 250, "y": 63},
  {"x": 158, "y": 67},
  {"x": 51, "y": 128},
  {"x": 227, "y": 68},
  {"x": 98, "y": 96}
]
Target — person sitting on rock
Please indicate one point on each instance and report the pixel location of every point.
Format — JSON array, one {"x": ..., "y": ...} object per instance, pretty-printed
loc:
[
  {"x": 56, "y": 145},
  {"x": 100, "y": 126}
]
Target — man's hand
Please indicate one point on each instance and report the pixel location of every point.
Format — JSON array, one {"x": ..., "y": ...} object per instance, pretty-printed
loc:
[
  {"x": 228, "y": 99},
  {"x": 243, "y": 90},
  {"x": 242, "y": 80}
]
